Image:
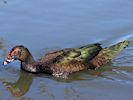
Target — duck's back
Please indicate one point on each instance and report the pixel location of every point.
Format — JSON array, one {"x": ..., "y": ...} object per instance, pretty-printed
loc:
[{"x": 84, "y": 53}]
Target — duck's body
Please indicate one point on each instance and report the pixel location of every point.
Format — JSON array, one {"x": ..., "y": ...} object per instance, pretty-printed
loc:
[{"x": 64, "y": 62}]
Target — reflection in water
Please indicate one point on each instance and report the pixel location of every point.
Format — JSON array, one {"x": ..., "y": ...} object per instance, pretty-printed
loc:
[{"x": 21, "y": 86}]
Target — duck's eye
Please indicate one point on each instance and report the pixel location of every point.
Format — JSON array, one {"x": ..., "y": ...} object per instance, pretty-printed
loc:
[
  {"x": 13, "y": 55},
  {"x": 17, "y": 54}
]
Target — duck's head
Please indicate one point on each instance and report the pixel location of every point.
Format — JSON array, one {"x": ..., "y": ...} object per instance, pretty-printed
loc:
[{"x": 18, "y": 52}]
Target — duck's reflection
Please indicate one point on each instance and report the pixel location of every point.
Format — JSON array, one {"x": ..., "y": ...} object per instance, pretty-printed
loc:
[{"x": 21, "y": 86}]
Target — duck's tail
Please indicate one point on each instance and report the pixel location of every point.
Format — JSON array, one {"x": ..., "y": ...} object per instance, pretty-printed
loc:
[{"x": 107, "y": 54}]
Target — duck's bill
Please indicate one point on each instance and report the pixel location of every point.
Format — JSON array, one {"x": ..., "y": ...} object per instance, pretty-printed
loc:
[{"x": 7, "y": 61}]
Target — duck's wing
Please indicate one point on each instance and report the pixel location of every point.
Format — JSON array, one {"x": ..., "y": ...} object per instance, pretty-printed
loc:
[
  {"x": 84, "y": 53},
  {"x": 73, "y": 54}
]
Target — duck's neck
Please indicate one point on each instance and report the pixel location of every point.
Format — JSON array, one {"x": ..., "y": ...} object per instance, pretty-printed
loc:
[
  {"x": 29, "y": 64},
  {"x": 29, "y": 59}
]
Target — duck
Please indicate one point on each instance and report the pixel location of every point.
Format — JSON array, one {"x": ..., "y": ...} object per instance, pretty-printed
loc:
[{"x": 62, "y": 63}]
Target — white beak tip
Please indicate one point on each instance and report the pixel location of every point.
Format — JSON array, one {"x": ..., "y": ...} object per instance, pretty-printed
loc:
[{"x": 5, "y": 63}]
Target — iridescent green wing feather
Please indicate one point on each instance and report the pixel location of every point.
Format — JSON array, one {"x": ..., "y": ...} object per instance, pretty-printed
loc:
[{"x": 80, "y": 54}]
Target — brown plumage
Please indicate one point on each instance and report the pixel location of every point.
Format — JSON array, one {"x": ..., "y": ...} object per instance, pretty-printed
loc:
[{"x": 64, "y": 62}]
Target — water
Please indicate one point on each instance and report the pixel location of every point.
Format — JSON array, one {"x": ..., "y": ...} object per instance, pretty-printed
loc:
[{"x": 46, "y": 25}]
